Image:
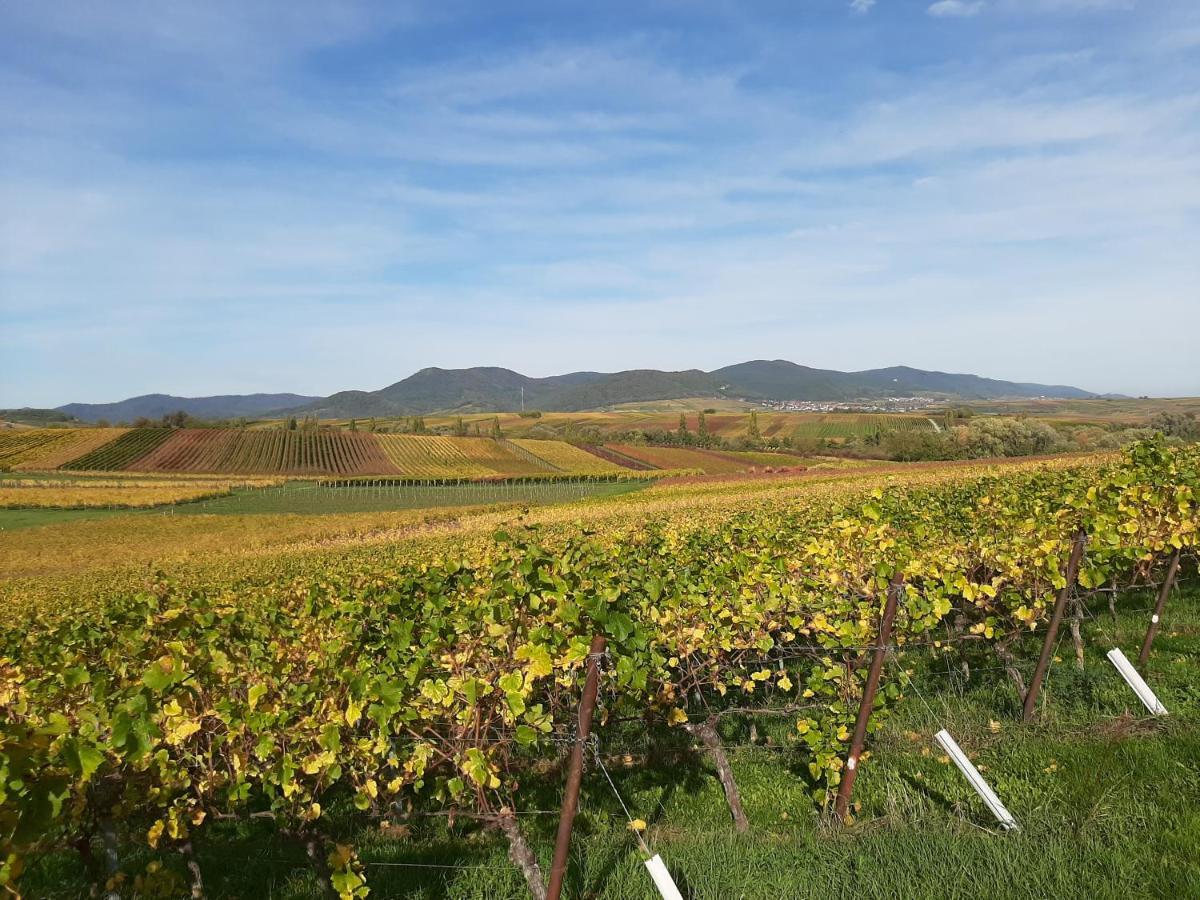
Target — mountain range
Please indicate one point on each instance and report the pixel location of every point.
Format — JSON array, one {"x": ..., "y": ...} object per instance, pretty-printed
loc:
[
  {"x": 154, "y": 406},
  {"x": 491, "y": 389}
]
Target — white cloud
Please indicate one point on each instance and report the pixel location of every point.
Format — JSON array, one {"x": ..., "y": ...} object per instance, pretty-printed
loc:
[
  {"x": 862, "y": 7},
  {"x": 955, "y": 8},
  {"x": 559, "y": 207}
]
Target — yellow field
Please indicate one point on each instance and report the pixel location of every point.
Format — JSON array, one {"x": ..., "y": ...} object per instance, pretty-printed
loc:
[
  {"x": 434, "y": 457},
  {"x": 89, "y": 557},
  {"x": 570, "y": 458},
  {"x": 49, "y": 448},
  {"x": 111, "y": 493},
  {"x": 85, "y": 441}
]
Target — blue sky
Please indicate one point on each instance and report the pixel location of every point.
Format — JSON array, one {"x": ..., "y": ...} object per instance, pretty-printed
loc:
[{"x": 225, "y": 197}]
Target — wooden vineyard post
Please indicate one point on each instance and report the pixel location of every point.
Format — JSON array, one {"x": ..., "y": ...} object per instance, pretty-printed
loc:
[
  {"x": 1060, "y": 602},
  {"x": 587, "y": 705},
  {"x": 850, "y": 772},
  {"x": 1172, "y": 571}
]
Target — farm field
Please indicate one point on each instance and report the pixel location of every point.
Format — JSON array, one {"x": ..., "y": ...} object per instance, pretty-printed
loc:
[
  {"x": 568, "y": 458},
  {"x": 1128, "y": 411},
  {"x": 724, "y": 423},
  {"x": 79, "y": 493},
  {"x": 120, "y": 452},
  {"x": 277, "y": 452},
  {"x": 494, "y": 457},
  {"x": 431, "y": 457},
  {"x": 821, "y": 426},
  {"x": 50, "y": 447},
  {"x": 328, "y": 451},
  {"x": 735, "y": 590},
  {"x": 683, "y": 458},
  {"x": 312, "y": 498},
  {"x": 45, "y": 500},
  {"x": 710, "y": 462}
]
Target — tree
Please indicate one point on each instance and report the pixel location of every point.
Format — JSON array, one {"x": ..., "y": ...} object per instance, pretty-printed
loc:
[
  {"x": 683, "y": 429},
  {"x": 291, "y": 423},
  {"x": 354, "y": 424},
  {"x": 1180, "y": 425},
  {"x": 102, "y": 423},
  {"x": 460, "y": 427},
  {"x": 496, "y": 432},
  {"x": 702, "y": 427},
  {"x": 752, "y": 431}
]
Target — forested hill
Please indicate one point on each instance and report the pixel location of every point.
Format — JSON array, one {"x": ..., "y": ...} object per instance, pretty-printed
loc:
[{"x": 487, "y": 388}]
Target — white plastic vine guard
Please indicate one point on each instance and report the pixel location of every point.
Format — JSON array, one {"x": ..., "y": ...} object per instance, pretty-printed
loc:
[
  {"x": 1003, "y": 816},
  {"x": 662, "y": 878},
  {"x": 1137, "y": 682}
]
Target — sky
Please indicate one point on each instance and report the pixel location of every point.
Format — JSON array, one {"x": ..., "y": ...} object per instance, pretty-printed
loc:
[{"x": 228, "y": 196}]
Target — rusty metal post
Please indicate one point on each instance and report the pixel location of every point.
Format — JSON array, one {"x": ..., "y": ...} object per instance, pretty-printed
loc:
[
  {"x": 1172, "y": 571},
  {"x": 587, "y": 705},
  {"x": 1043, "y": 663},
  {"x": 850, "y": 772}
]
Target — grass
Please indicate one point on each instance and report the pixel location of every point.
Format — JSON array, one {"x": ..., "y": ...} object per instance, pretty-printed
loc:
[
  {"x": 15, "y": 519},
  {"x": 1108, "y": 801},
  {"x": 1128, "y": 411},
  {"x": 310, "y": 498},
  {"x": 307, "y": 498}
]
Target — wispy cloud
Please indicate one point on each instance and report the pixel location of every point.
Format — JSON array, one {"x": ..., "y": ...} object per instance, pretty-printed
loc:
[
  {"x": 364, "y": 196},
  {"x": 862, "y": 7},
  {"x": 955, "y": 8}
]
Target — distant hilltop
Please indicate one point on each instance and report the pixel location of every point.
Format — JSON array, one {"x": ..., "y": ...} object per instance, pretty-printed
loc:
[{"x": 491, "y": 389}]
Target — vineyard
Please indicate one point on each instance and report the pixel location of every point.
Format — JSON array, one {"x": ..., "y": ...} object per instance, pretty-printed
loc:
[
  {"x": 334, "y": 452},
  {"x": 50, "y": 447},
  {"x": 422, "y": 457},
  {"x": 710, "y": 462},
  {"x": 83, "y": 441},
  {"x": 48, "y": 493},
  {"x": 18, "y": 446},
  {"x": 729, "y": 425},
  {"x": 843, "y": 425},
  {"x": 568, "y": 458},
  {"x": 281, "y": 452},
  {"x": 275, "y": 452},
  {"x": 120, "y": 453},
  {"x": 445, "y": 678},
  {"x": 760, "y": 459}
]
